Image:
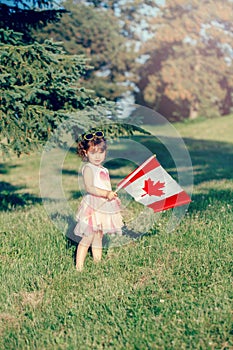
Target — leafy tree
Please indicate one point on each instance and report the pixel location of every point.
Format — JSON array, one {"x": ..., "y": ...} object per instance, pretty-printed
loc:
[{"x": 189, "y": 72}]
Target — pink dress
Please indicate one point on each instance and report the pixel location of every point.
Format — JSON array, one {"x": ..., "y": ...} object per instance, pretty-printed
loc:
[{"x": 97, "y": 213}]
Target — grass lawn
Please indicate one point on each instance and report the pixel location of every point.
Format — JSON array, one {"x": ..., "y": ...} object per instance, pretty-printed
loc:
[{"x": 164, "y": 290}]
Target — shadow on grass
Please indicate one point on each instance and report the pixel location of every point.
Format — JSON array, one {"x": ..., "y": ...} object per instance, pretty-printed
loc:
[
  {"x": 10, "y": 199},
  {"x": 5, "y": 168},
  {"x": 205, "y": 200},
  {"x": 211, "y": 160},
  {"x": 69, "y": 172},
  {"x": 76, "y": 194}
]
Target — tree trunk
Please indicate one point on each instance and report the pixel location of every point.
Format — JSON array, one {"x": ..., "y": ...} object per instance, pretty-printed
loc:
[{"x": 193, "y": 113}]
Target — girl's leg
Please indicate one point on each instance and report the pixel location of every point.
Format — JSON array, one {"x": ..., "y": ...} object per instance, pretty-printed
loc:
[
  {"x": 82, "y": 252},
  {"x": 97, "y": 246}
]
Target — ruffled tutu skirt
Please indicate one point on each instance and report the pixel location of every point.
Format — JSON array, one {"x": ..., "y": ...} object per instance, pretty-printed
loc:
[{"x": 98, "y": 214}]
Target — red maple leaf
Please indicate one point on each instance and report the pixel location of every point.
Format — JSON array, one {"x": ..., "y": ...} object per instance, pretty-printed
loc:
[{"x": 153, "y": 189}]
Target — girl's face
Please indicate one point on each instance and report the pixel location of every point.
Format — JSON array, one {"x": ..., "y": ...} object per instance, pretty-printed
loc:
[{"x": 96, "y": 155}]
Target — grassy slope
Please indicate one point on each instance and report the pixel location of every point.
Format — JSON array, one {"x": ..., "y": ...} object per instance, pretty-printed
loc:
[{"x": 164, "y": 291}]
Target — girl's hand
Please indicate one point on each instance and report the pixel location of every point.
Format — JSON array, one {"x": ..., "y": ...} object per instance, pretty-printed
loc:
[{"x": 111, "y": 195}]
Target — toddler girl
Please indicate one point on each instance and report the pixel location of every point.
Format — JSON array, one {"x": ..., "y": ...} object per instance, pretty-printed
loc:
[{"x": 99, "y": 211}]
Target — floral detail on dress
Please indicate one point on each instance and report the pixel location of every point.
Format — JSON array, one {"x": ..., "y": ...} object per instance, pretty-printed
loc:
[{"x": 104, "y": 176}]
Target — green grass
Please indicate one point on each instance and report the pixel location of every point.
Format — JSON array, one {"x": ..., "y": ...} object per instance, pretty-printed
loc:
[{"x": 161, "y": 291}]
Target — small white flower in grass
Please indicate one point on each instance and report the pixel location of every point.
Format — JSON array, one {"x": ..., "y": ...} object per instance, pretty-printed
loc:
[{"x": 162, "y": 300}]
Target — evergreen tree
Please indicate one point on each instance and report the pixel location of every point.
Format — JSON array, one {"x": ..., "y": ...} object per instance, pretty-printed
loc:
[
  {"x": 38, "y": 90},
  {"x": 40, "y": 86}
]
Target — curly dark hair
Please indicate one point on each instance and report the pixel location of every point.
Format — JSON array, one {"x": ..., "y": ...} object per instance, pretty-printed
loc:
[{"x": 84, "y": 145}]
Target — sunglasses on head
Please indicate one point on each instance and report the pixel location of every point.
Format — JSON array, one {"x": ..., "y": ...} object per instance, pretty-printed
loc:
[{"x": 90, "y": 136}]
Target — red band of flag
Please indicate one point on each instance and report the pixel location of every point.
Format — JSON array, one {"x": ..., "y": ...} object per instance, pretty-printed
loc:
[{"x": 171, "y": 202}]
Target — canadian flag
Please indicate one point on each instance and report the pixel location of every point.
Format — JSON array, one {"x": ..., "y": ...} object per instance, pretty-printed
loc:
[{"x": 152, "y": 186}]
